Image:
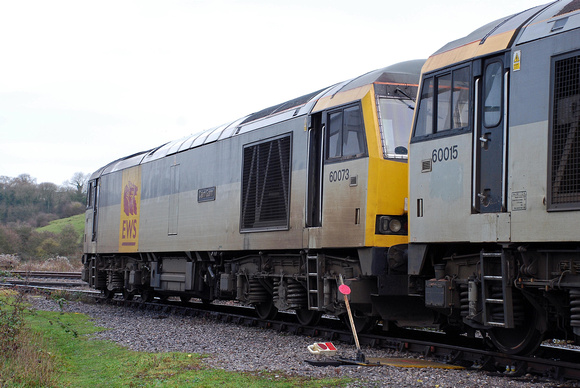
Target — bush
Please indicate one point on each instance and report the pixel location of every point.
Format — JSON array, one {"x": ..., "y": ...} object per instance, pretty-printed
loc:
[
  {"x": 30, "y": 365},
  {"x": 9, "y": 261},
  {"x": 68, "y": 241},
  {"x": 10, "y": 241},
  {"x": 72, "y": 209},
  {"x": 57, "y": 264},
  {"x": 11, "y": 321},
  {"x": 44, "y": 219},
  {"x": 24, "y": 362},
  {"x": 48, "y": 246}
]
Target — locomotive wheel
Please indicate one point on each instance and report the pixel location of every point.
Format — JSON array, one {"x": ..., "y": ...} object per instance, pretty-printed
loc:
[
  {"x": 163, "y": 297},
  {"x": 147, "y": 295},
  {"x": 109, "y": 294},
  {"x": 521, "y": 340},
  {"x": 308, "y": 317},
  {"x": 266, "y": 310},
  {"x": 362, "y": 323},
  {"x": 127, "y": 295}
]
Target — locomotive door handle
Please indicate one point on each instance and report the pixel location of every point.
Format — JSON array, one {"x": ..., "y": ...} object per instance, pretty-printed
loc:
[
  {"x": 485, "y": 139},
  {"x": 484, "y": 197}
]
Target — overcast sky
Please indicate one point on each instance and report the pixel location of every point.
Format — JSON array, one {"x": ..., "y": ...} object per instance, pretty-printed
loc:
[{"x": 83, "y": 83}]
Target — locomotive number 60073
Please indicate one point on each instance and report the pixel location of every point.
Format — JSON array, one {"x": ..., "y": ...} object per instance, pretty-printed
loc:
[{"x": 339, "y": 175}]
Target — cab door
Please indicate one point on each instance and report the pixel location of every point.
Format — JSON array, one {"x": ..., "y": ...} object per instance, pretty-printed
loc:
[
  {"x": 96, "y": 210},
  {"x": 91, "y": 217},
  {"x": 490, "y": 148},
  {"x": 337, "y": 160},
  {"x": 314, "y": 171}
]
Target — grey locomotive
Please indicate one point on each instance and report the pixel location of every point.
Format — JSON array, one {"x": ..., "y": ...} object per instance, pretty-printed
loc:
[
  {"x": 274, "y": 210},
  {"x": 495, "y": 180}
]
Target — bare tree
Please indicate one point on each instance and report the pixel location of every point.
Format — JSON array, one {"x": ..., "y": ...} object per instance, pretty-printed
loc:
[{"x": 79, "y": 182}]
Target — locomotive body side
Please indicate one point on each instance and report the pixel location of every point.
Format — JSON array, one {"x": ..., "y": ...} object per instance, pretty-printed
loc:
[{"x": 191, "y": 200}]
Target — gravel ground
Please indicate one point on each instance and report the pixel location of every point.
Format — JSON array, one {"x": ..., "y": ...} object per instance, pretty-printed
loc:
[{"x": 239, "y": 348}]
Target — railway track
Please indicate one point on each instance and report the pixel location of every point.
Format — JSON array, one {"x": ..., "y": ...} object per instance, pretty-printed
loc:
[
  {"x": 44, "y": 279},
  {"x": 475, "y": 353},
  {"x": 48, "y": 274}
]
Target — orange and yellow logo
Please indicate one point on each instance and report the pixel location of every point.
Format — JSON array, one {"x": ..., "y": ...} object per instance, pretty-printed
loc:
[{"x": 130, "y": 203}]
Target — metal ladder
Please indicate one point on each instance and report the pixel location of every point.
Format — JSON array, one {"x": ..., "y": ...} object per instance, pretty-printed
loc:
[
  {"x": 92, "y": 272},
  {"x": 314, "y": 282},
  {"x": 96, "y": 279},
  {"x": 495, "y": 274}
]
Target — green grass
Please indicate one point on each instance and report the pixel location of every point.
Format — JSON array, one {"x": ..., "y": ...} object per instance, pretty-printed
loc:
[
  {"x": 74, "y": 359},
  {"x": 56, "y": 226}
]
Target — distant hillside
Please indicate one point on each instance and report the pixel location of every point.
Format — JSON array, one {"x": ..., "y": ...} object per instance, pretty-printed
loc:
[
  {"x": 62, "y": 237},
  {"x": 56, "y": 226},
  {"x": 22, "y": 200}
]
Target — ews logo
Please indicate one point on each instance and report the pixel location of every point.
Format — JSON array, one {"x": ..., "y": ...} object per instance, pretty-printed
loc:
[{"x": 130, "y": 202}]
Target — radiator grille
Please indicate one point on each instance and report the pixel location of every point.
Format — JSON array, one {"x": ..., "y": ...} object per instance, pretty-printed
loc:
[
  {"x": 565, "y": 136},
  {"x": 266, "y": 185}
]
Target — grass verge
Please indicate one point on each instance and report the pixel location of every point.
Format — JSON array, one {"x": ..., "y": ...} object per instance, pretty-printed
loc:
[{"x": 55, "y": 349}]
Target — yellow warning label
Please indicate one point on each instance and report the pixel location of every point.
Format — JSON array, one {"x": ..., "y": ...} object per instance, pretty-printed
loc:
[
  {"x": 517, "y": 59},
  {"x": 130, "y": 206}
]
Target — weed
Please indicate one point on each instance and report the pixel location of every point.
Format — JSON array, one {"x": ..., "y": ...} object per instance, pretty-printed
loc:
[
  {"x": 9, "y": 261},
  {"x": 31, "y": 365},
  {"x": 63, "y": 297},
  {"x": 11, "y": 320}
]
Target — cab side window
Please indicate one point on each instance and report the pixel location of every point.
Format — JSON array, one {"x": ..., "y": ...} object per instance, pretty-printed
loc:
[
  {"x": 345, "y": 133},
  {"x": 492, "y": 91},
  {"x": 444, "y": 103},
  {"x": 425, "y": 117},
  {"x": 90, "y": 195}
]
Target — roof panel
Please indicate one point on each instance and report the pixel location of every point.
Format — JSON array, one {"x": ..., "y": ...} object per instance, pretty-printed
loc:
[
  {"x": 176, "y": 145},
  {"x": 120, "y": 164},
  {"x": 294, "y": 103},
  {"x": 187, "y": 143},
  {"x": 554, "y": 19},
  {"x": 215, "y": 134},
  {"x": 201, "y": 138},
  {"x": 492, "y": 37},
  {"x": 283, "y": 116},
  {"x": 158, "y": 153},
  {"x": 231, "y": 129}
]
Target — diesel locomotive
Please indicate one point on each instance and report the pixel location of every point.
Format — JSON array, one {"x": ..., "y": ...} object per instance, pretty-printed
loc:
[
  {"x": 274, "y": 210},
  {"x": 494, "y": 170}
]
